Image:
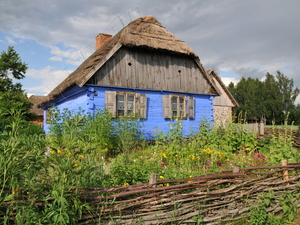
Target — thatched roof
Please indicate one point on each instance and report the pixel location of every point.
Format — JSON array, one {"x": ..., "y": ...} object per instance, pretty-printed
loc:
[
  {"x": 225, "y": 90},
  {"x": 144, "y": 32},
  {"x": 37, "y": 100}
]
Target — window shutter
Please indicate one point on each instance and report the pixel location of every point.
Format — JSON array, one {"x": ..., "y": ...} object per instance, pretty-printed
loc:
[
  {"x": 167, "y": 106},
  {"x": 141, "y": 107},
  {"x": 191, "y": 107},
  {"x": 110, "y": 102}
]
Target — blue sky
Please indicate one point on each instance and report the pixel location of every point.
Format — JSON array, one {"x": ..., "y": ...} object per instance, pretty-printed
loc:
[{"x": 236, "y": 38}]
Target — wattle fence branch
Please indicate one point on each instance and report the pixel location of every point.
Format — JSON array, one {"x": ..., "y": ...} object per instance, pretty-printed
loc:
[{"x": 212, "y": 198}]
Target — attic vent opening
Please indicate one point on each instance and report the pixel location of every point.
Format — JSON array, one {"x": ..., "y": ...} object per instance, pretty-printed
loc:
[{"x": 129, "y": 64}]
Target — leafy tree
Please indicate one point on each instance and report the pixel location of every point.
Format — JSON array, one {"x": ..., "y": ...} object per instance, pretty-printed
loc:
[
  {"x": 269, "y": 100},
  {"x": 248, "y": 94},
  {"x": 11, "y": 68},
  {"x": 288, "y": 93},
  {"x": 295, "y": 115}
]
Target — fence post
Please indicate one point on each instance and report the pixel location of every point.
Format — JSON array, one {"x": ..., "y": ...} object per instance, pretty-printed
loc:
[
  {"x": 261, "y": 128},
  {"x": 285, "y": 171},
  {"x": 153, "y": 178},
  {"x": 236, "y": 169}
]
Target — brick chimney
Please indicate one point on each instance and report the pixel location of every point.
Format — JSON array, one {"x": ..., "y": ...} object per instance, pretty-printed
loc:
[{"x": 101, "y": 39}]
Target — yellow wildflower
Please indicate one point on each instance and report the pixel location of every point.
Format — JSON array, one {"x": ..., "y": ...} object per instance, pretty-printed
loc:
[
  {"x": 164, "y": 155},
  {"x": 207, "y": 151},
  {"x": 190, "y": 180},
  {"x": 191, "y": 157}
]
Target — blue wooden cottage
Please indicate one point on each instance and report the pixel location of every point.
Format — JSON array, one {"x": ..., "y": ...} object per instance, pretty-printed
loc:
[{"x": 144, "y": 71}]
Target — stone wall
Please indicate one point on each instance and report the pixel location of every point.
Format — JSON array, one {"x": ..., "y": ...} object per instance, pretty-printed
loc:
[{"x": 222, "y": 115}]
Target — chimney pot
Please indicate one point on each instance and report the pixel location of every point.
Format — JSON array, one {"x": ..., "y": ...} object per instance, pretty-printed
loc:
[{"x": 101, "y": 39}]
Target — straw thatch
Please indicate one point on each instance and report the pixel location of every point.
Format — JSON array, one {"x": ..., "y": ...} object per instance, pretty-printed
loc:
[
  {"x": 37, "y": 100},
  {"x": 224, "y": 90},
  {"x": 145, "y": 32}
]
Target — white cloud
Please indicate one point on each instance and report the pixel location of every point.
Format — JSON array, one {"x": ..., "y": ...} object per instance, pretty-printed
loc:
[
  {"x": 10, "y": 40},
  {"x": 63, "y": 53},
  {"x": 50, "y": 78},
  {"x": 56, "y": 58},
  {"x": 71, "y": 56},
  {"x": 227, "y": 80}
]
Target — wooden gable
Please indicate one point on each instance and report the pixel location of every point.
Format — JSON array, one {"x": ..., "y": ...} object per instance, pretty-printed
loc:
[
  {"x": 225, "y": 98},
  {"x": 149, "y": 69}
]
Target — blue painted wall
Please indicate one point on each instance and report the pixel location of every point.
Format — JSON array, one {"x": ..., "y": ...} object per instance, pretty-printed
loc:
[{"x": 85, "y": 99}]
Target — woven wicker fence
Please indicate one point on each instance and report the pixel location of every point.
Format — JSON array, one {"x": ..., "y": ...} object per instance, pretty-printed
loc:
[{"x": 213, "y": 198}]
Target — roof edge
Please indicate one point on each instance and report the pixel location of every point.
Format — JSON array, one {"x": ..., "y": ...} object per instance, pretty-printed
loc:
[{"x": 213, "y": 73}]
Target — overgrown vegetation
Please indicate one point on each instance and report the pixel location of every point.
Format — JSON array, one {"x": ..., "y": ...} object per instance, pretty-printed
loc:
[{"x": 85, "y": 151}]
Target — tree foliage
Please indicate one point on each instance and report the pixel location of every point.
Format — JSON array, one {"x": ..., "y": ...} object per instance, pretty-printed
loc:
[
  {"x": 271, "y": 99},
  {"x": 12, "y": 68}
]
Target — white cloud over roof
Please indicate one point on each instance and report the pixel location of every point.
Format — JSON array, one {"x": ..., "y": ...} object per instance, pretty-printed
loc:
[{"x": 249, "y": 38}]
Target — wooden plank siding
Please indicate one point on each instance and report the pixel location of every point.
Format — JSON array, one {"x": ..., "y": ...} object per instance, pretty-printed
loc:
[{"x": 143, "y": 69}]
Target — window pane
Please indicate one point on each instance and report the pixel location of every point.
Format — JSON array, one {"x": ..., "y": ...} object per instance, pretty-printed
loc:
[
  {"x": 181, "y": 106},
  {"x": 120, "y": 97},
  {"x": 130, "y": 106},
  {"x": 120, "y": 109},
  {"x": 121, "y": 105},
  {"x": 130, "y": 98},
  {"x": 174, "y": 103},
  {"x": 174, "y": 107},
  {"x": 121, "y": 113},
  {"x": 130, "y": 101},
  {"x": 174, "y": 99}
]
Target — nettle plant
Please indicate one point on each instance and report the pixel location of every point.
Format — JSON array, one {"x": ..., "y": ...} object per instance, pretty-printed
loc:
[
  {"x": 260, "y": 216},
  {"x": 99, "y": 133}
]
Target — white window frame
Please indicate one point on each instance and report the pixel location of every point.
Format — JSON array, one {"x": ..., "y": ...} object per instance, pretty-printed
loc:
[
  {"x": 139, "y": 104},
  {"x": 187, "y": 107},
  {"x": 128, "y": 107}
]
